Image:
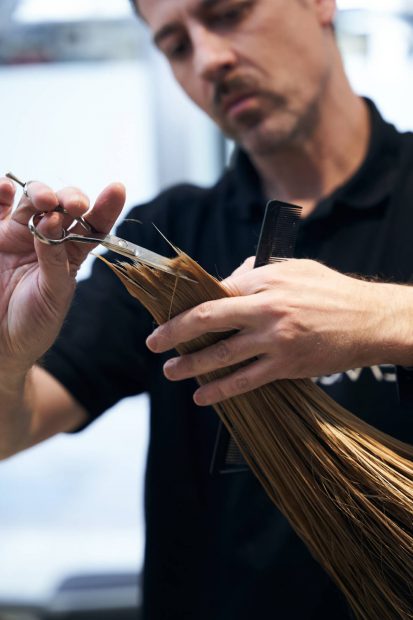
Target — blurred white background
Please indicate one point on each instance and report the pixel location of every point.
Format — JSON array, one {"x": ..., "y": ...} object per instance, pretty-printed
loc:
[{"x": 85, "y": 101}]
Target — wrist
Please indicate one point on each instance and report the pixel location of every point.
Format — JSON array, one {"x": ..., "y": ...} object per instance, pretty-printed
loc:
[
  {"x": 12, "y": 381},
  {"x": 395, "y": 329},
  {"x": 15, "y": 414}
]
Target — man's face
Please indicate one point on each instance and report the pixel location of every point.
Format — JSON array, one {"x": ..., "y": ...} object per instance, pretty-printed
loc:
[{"x": 256, "y": 67}]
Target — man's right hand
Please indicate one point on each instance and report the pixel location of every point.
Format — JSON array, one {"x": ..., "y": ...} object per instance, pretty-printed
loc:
[{"x": 37, "y": 280}]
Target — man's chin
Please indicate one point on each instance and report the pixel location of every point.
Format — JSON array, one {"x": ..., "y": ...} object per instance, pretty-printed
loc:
[
  {"x": 263, "y": 140},
  {"x": 244, "y": 123},
  {"x": 266, "y": 134}
]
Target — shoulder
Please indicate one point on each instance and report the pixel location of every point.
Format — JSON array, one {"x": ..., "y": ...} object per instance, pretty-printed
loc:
[
  {"x": 406, "y": 143},
  {"x": 393, "y": 155},
  {"x": 404, "y": 162}
]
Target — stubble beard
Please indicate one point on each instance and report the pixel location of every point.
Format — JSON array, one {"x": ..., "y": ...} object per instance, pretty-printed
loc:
[
  {"x": 275, "y": 123},
  {"x": 270, "y": 130},
  {"x": 249, "y": 122}
]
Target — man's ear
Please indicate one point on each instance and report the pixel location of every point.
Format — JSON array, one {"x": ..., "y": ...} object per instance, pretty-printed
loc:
[{"x": 326, "y": 11}]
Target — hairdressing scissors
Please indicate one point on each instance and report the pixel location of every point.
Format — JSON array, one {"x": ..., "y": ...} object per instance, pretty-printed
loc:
[{"x": 110, "y": 242}]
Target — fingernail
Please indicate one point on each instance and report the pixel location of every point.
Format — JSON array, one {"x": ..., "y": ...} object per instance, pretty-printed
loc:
[
  {"x": 169, "y": 367},
  {"x": 151, "y": 341},
  {"x": 199, "y": 399}
]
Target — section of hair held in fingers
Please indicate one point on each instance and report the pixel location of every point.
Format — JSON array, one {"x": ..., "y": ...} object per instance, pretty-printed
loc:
[{"x": 345, "y": 487}]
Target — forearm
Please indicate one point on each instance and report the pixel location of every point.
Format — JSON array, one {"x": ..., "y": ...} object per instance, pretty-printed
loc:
[
  {"x": 16, "y": 412},
  {"x": 34, "y": 406}
]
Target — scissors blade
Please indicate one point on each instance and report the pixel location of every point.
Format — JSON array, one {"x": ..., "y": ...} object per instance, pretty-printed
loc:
[
  {"x": 111, "y": 242},
  {"x": 137, "y": 252}
]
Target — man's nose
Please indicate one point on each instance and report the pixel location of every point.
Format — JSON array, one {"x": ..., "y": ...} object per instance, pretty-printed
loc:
[{"x": 213, "y": 54}]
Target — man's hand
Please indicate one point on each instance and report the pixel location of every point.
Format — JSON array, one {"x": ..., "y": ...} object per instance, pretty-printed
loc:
[
  {"x": 294, "y": 319},
  {"x": 37, "y": 280}
]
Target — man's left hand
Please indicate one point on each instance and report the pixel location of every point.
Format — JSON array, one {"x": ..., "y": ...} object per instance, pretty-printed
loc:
[{"x": 293, "y": 319}]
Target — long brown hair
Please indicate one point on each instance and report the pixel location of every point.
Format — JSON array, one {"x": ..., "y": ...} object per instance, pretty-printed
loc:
[{"x": 345, "y": 487}]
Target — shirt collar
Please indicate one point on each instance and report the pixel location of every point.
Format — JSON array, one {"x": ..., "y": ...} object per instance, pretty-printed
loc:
[
  {"x": 248, "y": 198},
  {"x": 367, "y": 188}
]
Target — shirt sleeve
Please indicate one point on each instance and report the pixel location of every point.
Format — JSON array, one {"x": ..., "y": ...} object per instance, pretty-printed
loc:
[{"x": 405, "y": 385}]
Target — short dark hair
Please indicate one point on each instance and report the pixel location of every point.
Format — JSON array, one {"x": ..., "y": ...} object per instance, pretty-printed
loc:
[{"x": 135, "y": 6}]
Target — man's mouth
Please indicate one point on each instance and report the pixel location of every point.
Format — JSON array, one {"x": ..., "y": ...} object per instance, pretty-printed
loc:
[{"x": 235, "y": 104}]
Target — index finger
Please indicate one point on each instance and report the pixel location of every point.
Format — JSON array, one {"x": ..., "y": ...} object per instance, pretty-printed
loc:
[
  {"x": 220, "y": 315},
  {"x": 39, "y": 197},
  {"x": 7, "y": 192}
]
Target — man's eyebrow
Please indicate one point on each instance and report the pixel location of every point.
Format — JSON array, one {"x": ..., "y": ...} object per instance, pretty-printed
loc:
[
  {"x": 165, "y": 32},
  {"x": 202, "y": 7},
  {"x": 206, "y": 4}
]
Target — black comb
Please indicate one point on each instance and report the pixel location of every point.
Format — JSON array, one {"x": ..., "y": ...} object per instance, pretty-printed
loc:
[{"x": 276, "y": 243}]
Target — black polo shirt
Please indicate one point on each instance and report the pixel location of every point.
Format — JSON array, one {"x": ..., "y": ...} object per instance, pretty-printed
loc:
[{"x": 217, "y": 549}]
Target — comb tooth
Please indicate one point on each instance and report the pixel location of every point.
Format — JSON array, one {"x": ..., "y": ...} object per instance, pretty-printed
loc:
[
  {"x": 278, "y": 233},
  {"x": 283, "y": 229},
  {"x": 234, "y": 456}
]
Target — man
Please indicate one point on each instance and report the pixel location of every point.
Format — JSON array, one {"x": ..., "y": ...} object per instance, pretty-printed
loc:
[{"x": 269, "y": 73}]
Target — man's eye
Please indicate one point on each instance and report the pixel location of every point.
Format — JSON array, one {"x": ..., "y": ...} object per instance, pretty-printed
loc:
[
  {"x": 177, "y": 50},
  {"x": 231, "y": 16}
]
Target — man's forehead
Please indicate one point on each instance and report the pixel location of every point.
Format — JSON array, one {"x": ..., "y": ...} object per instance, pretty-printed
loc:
[{"x": 151, "y": 9}]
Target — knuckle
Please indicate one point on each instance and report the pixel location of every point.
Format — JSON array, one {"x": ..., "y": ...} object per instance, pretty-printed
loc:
[
  {"x": 285, "y": 335},
  {"x": 287, "y": 329},
  {"x": 204, "y": 311},
  {"x": 268, "y": 308},
  {"x": 308, "y": 263},
  {"x": 242, "y": 384},
  {"x": 77, "y": 201},
  {"x": 223, "y": 352},
  {"x": 73, "y": 198}
]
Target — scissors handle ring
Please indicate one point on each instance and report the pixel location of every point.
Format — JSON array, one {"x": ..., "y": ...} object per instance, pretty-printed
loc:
[{"x": 37, "y": 217}]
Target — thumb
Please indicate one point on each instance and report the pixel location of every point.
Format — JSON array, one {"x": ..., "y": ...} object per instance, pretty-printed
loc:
[{"x": 245, "y": 267}]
